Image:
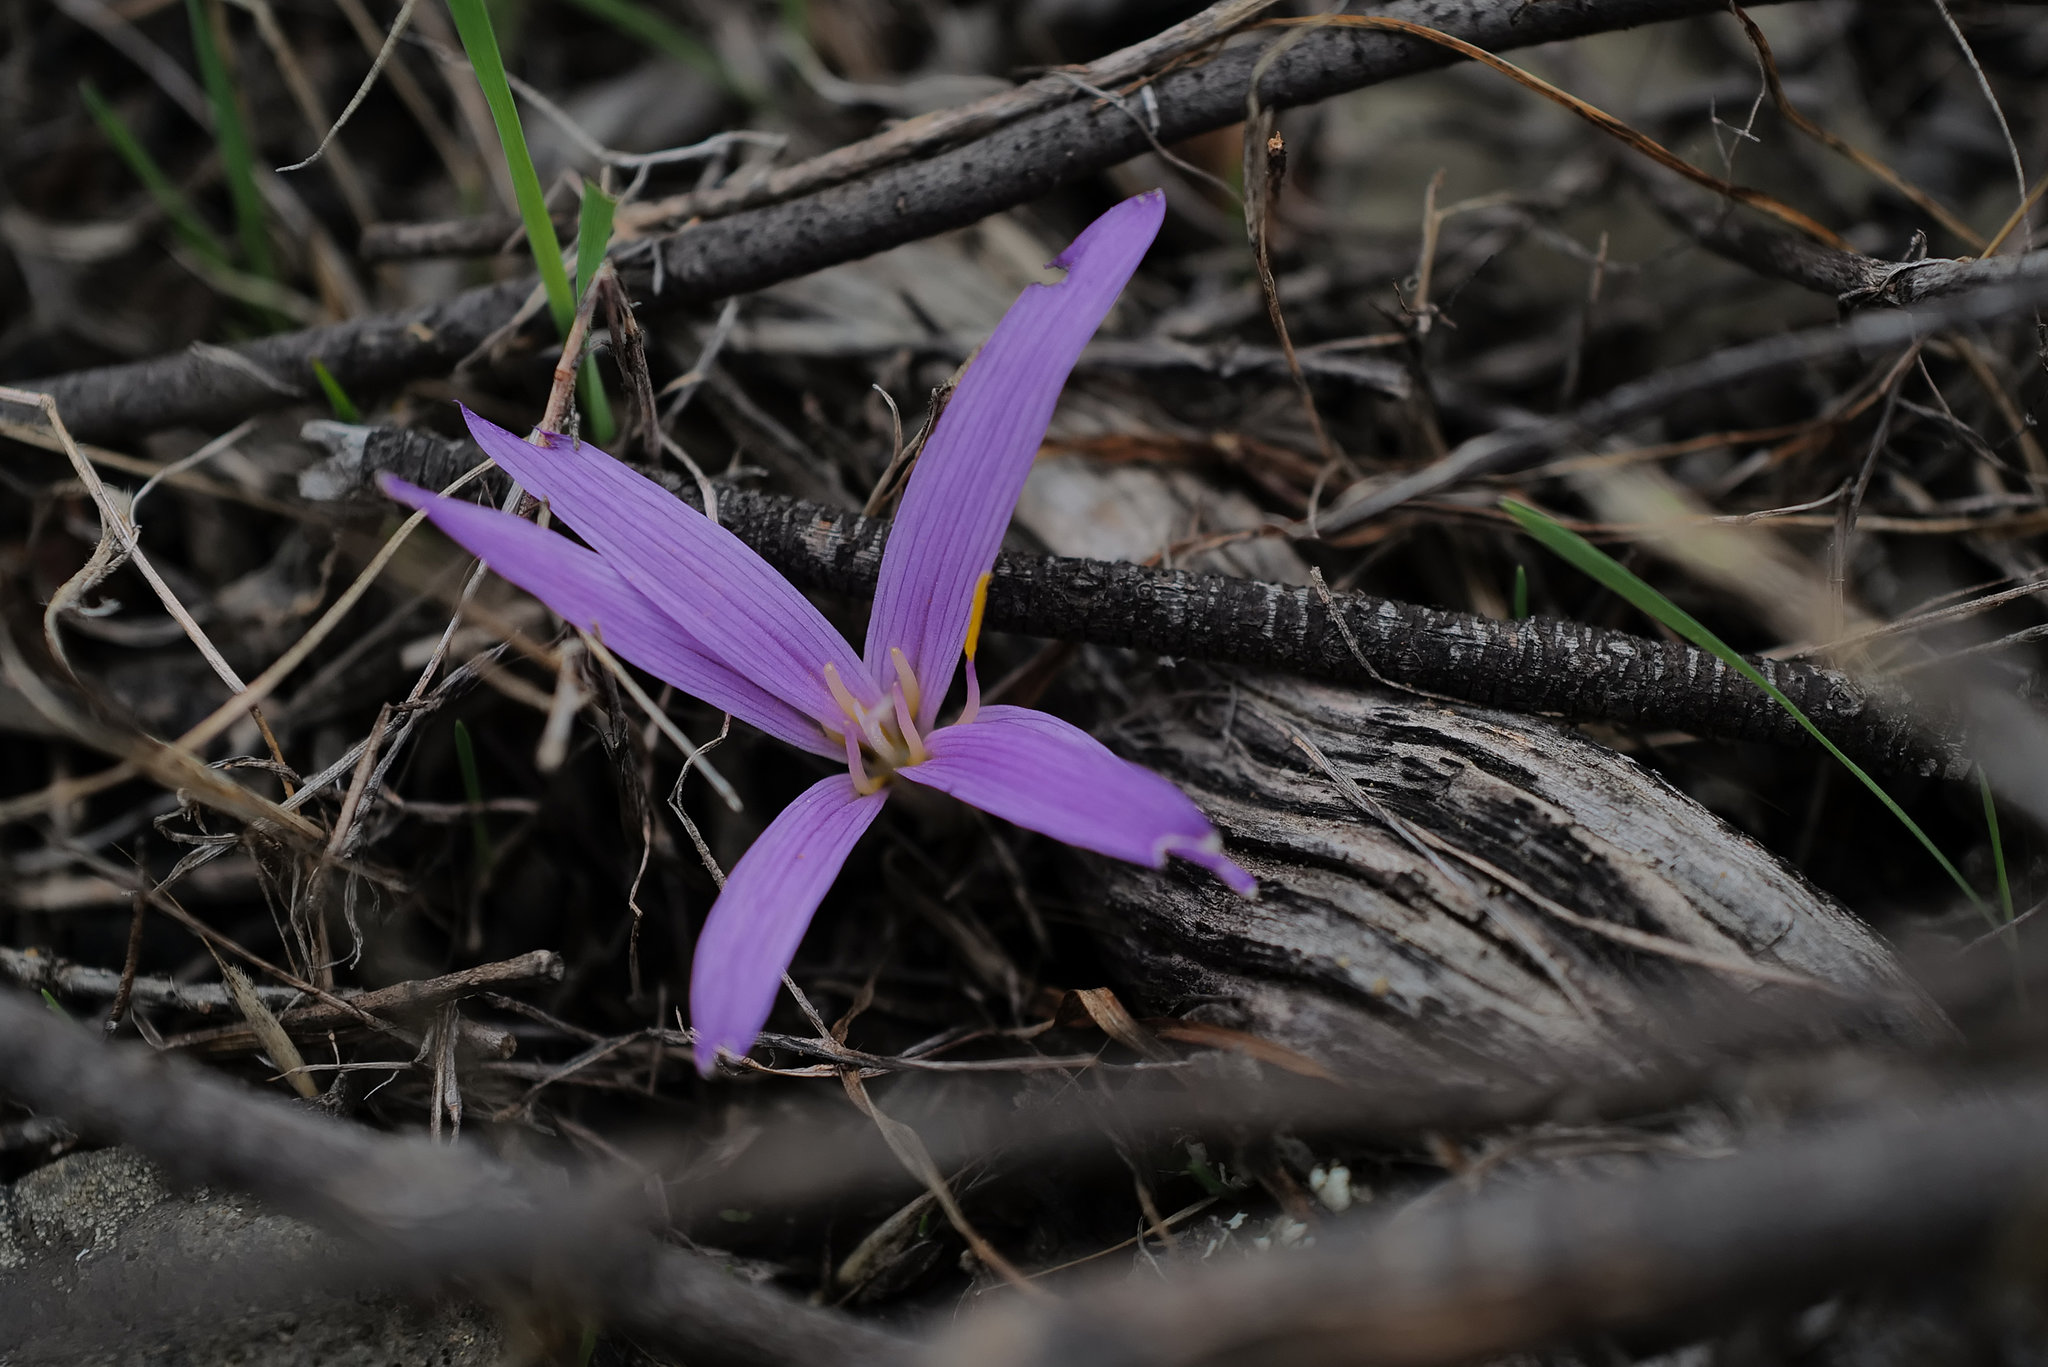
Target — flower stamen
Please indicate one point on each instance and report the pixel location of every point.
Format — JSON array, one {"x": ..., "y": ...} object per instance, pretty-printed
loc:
[
  {"x": 857, "y": 771},
  {"x": 908, "y": 724},
  {"x": 973, "y": 708},
  {"x": 841, "y": 694},
  {"x": 906, "y": 677},
  {"x": 974, "y": 615}
]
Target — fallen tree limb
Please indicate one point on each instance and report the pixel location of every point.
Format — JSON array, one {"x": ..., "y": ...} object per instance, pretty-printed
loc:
[
  {"x": 429, "y": 1212},
  {"x": 212, "y": 386},
  {"x": 912, "y": 137}
]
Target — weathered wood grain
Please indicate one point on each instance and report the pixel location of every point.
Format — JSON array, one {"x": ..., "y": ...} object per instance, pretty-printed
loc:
[{"x": 1376, "y": 951}]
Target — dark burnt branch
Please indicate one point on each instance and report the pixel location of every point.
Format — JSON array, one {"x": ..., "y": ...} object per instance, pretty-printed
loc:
[
  {"x": 759, "y": 247},
  {"x": 900, "y": 141},
  {"x": 1853, "y": 278},
  {"x": 218, "y": 386},
  {"x": 1542, "y": 664},
  {"x": 428, "y": 1212},
  {"x": 1537, "y": 665},
  {"x": 38, "y": 972},
  {"x": 1465, "y": 1280},
  {"x": 41, "y": 972}
]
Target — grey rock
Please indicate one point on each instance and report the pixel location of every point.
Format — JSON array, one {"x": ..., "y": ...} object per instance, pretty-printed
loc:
[{"x": 103, "y": 1265}]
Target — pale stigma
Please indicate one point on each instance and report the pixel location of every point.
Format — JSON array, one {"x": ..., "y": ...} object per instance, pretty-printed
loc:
[{"x": 848, "y": 704}]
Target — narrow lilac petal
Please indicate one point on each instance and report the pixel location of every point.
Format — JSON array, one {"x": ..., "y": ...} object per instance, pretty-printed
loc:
[
  {"x": 586, "y": 592},
  {"x": 966, "y": 482},
  {"x": 1046, "y": 776},
  {"x": 759, "y": 918},
  {"x": 733, "y": 602}
]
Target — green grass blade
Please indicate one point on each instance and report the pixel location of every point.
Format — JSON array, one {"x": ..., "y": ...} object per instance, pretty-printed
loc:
[
  {"x": 593, "y": 234},
  {"x": 596, "y": 404},
  {"x": 231, "y": 136},
  {"x": 170, "y": 200},
  {"x": 473, "y": 791},
  {"x": 1521, "y": 592},
  {"x": 661, "y": 33},
  {"x": 337, "y": 398},
  {"x": 480, "y": 43},
  {"x": 1605, "y": 570},
  {"x": 1997, "y": 847}
]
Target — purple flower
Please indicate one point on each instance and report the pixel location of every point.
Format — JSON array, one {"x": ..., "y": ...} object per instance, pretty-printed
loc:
[{"x": 687, "y": 601}]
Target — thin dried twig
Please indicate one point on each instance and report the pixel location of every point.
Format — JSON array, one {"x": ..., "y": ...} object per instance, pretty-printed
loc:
[
  {"x": 121, "y": 542},
  {"x": 1265, "y": 170},
  {"x": 377, "y": 64},
  {"x": 1927, "y": 203}
]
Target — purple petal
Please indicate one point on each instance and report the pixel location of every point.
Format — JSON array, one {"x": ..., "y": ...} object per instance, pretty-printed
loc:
[
  {"x": 759, "y": 919},
  {"x": 733, "y": 602},
  {"x": 586, "y": 592},
  {"x": 1046, "y": 776},
  {"x": 967, "y": 480}
]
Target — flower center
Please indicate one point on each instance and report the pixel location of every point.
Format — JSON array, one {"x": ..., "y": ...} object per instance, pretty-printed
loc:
[{"x": 881, "y": 739}]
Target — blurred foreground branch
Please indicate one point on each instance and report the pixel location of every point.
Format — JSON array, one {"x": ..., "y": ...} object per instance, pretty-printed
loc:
[
  {"x": 430, "y": 1213},
  {"x": 1460, "y": 1280}
]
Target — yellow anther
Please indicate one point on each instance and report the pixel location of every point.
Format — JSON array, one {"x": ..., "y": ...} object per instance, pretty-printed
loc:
[
  {"x": 841, "y": 694},
  {"x": 974, "y": 615},
  {"x": 906, "y": 678}
]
